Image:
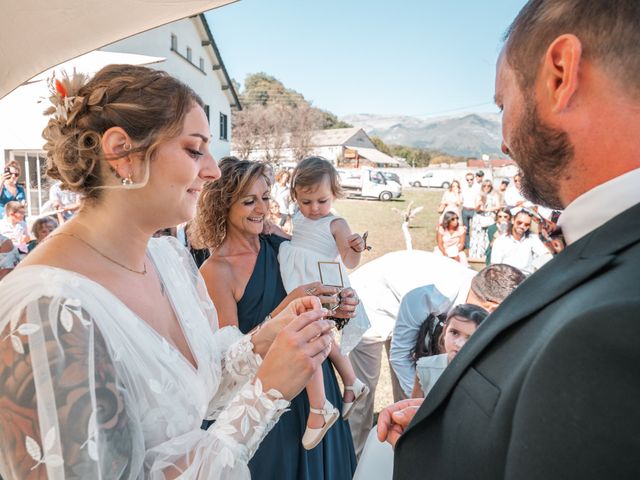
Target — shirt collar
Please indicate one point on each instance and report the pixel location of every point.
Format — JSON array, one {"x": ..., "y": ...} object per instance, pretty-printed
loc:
[
  {"x": 599, "y": 205},
  {"x": 463, "y": 293}
]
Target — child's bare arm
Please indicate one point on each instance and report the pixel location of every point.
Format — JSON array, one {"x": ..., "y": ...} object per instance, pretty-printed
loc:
[{"x": 350, "y": 245}]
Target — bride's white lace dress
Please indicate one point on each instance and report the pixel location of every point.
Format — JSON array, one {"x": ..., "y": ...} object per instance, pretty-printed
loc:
[{"x": 90, "y": 390}]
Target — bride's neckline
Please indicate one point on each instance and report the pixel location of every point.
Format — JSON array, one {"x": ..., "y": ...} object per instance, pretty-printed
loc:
[{"x": 117, "y": 299}]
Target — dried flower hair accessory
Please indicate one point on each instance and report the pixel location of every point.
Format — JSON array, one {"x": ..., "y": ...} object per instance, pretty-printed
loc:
[{"x": 64, "y": 96}]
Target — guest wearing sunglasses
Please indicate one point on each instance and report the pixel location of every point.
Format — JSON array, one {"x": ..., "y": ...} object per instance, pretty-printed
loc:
[
  {"x": 11, "y": 191},
  {"x": 503, "y": 218}
]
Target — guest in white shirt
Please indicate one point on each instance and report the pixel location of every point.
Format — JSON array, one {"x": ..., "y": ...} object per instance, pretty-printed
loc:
[
  {"x": 381, "y": 284},
  {"x": 487, "y": 289},
  {"x": 470, "y": 193},
  {"x": 519, "y": 247},
  {"x": 512, "y": 196}
]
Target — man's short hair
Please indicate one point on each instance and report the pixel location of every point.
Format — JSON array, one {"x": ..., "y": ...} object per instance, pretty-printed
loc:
[
  {"x": 607, "y": 29},
  {"x": 480, "y": 173},
  {"x": 496, "y": 282}
]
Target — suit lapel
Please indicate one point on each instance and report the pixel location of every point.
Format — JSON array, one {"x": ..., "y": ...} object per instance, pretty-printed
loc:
[{"x": 577, "y": 263}]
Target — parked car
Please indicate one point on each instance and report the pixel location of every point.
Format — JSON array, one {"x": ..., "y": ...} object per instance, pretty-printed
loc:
[{"x": 433, "y": 179}]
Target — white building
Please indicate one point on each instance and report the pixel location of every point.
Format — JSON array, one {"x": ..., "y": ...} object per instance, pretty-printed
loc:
[
  {"x": 185, "y": 49},
  {"x": 192, "y": 56},
  {"x": 344, "y": 147}
]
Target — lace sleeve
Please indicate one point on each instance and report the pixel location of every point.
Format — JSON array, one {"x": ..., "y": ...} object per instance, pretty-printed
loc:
[
  {"x": 62, "y": 414},
  {"x": 223, "y": 451},
  {"x": 239, "y": 366},
  {"x": 65, "y": 413}
]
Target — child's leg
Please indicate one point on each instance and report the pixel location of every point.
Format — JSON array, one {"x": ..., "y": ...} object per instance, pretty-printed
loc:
[
  {"x": 315, "y": 391},
  {"x": 345, "y": 370}
]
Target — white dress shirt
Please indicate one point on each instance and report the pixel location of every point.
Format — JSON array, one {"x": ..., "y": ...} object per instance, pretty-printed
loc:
[
  {"x": 447, "y": 290},
  {"x": 512, "y": 196},
  {"x": 599, "y": 205},
  {"x": 527, "y": 254},
  {"x": 470, "y": 195},
  {"x": 381, "y": 284}
]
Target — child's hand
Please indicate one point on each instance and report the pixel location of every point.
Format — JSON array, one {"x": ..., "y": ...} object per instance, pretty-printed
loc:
[{"x": 356, "y": 243}]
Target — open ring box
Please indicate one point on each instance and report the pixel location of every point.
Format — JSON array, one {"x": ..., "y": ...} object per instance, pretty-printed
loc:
[{"x": 331, "y": 275}]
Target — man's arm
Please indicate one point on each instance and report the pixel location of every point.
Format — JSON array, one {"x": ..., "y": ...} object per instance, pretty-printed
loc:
[{"x": 414, "y": 309}]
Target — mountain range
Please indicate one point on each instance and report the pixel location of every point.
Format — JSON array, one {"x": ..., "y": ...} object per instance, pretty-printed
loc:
[{"x": 467, "y": 135}]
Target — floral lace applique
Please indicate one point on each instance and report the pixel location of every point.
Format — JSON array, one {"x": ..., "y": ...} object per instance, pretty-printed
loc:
[
  {"x": 247, "y": 420},
  {"x": 240, "y": 359}
]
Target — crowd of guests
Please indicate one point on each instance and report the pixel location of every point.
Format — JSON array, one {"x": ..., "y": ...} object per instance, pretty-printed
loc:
[
  {"x": 488, "y": 223},
  {"x": 19, "y": 234}
]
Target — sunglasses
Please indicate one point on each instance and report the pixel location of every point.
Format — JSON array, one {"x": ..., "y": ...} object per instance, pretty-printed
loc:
[{"x": 503, "y": 216}]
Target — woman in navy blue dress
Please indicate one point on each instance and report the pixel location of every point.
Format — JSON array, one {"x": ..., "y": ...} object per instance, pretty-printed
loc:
[{"x": 243, "y": 279}]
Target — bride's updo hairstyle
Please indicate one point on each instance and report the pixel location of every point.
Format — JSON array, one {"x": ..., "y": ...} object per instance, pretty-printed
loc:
[
  {"x": 237, "y": 176},
  {"x": 148, "y": 104}
]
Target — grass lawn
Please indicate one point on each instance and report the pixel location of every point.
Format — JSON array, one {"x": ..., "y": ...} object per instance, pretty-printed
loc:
[
  {"x": 385, "y": 235},
  {"x": 384, "y": 225}
]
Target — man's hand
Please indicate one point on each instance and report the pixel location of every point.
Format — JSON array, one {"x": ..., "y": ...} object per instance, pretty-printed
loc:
[{"x": 395, "y": 418}]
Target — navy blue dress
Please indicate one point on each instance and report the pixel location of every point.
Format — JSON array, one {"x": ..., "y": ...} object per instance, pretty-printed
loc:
[{"x": 281, "y": 455}]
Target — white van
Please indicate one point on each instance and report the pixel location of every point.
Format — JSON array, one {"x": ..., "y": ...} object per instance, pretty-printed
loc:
[{"x": 368, "y": 183}]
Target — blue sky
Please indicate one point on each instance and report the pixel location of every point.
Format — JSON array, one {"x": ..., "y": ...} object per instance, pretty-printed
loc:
[{"x": 410, "y": 57}]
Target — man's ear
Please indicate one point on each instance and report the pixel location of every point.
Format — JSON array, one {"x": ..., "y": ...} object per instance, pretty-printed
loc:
[
  {"x": 559, "y": 75},
  {"x": 115, "y": 145}
]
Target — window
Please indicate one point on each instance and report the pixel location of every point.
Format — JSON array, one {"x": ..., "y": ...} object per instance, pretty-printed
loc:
[
  {"x": 202, "y": 64},
  {"x": 189, "y": 53},
  {"x": 174, "y": 42},
  {"x": 206, "y": 112},
  {"x": 223, "y": 127}
]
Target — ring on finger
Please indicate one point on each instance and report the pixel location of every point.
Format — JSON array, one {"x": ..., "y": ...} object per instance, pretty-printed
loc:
[{"x": 310, "y": 291}]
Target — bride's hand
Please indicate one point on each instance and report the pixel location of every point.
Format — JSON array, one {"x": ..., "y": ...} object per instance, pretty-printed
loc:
[
  {"x": 298, "y": 350},
  {"x": 269, "y": 329}
]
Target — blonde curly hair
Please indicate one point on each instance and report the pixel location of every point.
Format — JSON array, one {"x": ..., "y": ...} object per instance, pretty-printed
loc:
[
  {"x": 209, "y": 228},
  {"x": 148, "y": 104}
]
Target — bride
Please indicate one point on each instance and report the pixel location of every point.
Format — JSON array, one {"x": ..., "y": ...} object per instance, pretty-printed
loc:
[{"x": 110, "y": 352}]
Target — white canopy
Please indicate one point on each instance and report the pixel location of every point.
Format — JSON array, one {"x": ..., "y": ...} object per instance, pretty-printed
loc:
[
  {"x": 21, "y": 118},
  {"x": 38, "y": 34}
]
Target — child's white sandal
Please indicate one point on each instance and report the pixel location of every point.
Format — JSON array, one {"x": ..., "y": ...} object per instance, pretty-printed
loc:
[
  {"x": 360, "y": 390},
  {"x": 313, "y": 436}
]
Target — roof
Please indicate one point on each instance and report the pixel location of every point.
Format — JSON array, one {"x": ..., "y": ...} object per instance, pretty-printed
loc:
[
  {"x": 494, "y": 162},
  {"x": 375, "y": 155},
  {"x": 334, "y": 136},
  {"x": 229, "y": 84}
]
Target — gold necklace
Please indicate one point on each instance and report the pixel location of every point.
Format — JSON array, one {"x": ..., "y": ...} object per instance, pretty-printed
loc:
[{"x": 143, "y": 272}]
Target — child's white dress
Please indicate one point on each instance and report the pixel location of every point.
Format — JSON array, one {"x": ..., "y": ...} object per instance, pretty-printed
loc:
[{"x": 313, "y": 242}]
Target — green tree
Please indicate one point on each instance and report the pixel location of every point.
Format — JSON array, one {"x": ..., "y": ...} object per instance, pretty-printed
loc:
[{"x": 380, "y": 145}]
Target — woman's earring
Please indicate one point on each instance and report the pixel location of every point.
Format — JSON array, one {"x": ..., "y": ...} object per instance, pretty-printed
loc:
[
  {"x": 127, "y": 180},
  {"x": 126, "y": 147}
]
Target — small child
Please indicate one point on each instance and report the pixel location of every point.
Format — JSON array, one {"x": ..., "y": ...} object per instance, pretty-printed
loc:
[
  {"x": 318, "y": 235},
  {"x": 447, "y": 338}
]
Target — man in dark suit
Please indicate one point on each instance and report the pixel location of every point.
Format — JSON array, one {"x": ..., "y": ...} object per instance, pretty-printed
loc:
[{"x": 549, "y": 385}]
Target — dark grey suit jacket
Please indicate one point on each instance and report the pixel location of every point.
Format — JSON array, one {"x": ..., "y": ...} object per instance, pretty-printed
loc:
[{"x": 549, "y": 385}]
